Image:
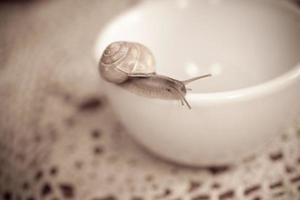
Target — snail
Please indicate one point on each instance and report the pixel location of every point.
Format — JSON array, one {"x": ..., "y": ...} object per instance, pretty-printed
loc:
[{"x": 132, "y": 66}]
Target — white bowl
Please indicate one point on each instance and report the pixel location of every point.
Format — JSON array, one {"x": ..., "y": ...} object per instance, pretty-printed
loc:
[{"x": 253, "y": 50}]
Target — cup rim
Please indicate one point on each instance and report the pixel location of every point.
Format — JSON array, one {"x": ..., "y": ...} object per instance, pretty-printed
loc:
[{"x": 262, "y": 89}]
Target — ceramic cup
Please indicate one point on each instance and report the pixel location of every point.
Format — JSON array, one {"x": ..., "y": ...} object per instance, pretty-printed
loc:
[{"x": 252, "y": 48}]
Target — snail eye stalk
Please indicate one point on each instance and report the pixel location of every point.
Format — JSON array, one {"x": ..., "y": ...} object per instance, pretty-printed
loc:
[{"x": 196, "y": 78}]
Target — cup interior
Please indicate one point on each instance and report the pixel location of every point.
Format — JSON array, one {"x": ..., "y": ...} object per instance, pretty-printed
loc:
[{"x": 242, "y": 43}]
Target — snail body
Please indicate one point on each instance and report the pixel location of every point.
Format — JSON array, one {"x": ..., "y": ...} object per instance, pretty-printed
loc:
[
  {"x": 160, "y": 87},
  {"x": 132, "y": 67}
]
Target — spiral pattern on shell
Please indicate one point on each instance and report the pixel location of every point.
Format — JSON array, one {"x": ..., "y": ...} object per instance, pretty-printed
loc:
[{"x": 123, "y": 59}]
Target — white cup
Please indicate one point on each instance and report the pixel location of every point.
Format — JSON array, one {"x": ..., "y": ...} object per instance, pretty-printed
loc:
[{"x": 253, "y": 50}]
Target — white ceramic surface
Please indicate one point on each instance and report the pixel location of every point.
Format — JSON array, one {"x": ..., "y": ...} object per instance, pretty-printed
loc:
[{"x": 253, "y": 50}]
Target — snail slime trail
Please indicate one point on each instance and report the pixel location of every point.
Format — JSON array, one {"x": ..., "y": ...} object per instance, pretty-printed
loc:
[{"x": 132, "y": 67}]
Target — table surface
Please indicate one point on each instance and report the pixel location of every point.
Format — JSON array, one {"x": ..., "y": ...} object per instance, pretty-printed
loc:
[{"x": 59, "y": 138}]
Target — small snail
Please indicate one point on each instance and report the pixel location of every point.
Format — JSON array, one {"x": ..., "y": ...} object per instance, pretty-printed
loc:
[{"x": 131, "y": 66}]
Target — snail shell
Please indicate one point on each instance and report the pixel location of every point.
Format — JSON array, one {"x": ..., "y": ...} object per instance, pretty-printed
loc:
[{"x": 122, "y": 60}]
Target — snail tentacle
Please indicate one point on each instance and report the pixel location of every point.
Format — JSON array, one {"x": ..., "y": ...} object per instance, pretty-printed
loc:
[
  {"x": 195, "y": 79},
  {"x": 182, "y": 98}
]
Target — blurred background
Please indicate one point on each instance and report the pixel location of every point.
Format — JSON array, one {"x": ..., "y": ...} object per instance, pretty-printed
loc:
[{"x": 59, "y": 138}]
